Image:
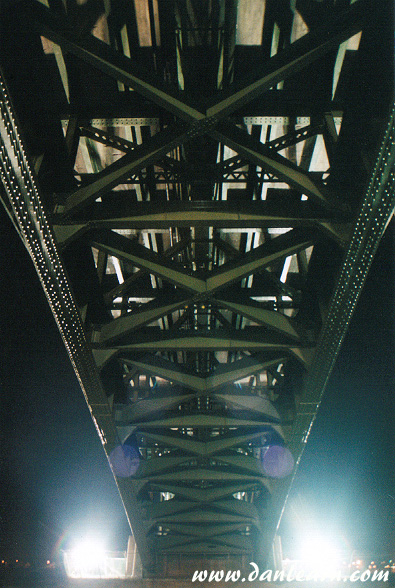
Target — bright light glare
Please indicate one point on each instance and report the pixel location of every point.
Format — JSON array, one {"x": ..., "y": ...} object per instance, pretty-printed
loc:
[
  {"x": 320, "y": 555},
  {"x": 88, "y": 558}
]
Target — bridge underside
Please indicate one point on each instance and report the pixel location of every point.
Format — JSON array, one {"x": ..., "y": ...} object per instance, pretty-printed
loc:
[{"x": 198, "y": 186}]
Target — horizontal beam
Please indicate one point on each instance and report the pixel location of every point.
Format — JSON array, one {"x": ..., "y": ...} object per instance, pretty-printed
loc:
[
  {"x": 209, "y": 494},
  {"x": 226, "y": 544},
  {"x": 144, "y": 409},
  {"x": 220, "y": 214},
  {"x": 210, "y": 447},
  {"x": 123, "y": 109},
  {"x": 161, "y": 510},
  {"x": 149, "y": 468},
  {"x": 203, "y": 548},
  {"x": 186, "y": 527},
  {"x": 199, "y": 421},
  {"x": 251, "y": 338},
  {"x": 191, "y": 475},
  {"x": 152, "y": 467}
]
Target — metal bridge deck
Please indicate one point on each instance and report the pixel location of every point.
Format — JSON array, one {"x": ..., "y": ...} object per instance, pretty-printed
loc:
[{"x": 202, "y": 187}]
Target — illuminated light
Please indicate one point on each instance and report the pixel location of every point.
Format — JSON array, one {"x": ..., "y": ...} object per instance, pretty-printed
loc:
[
  {"x": 48, "y": 562},
  {"x": 320, "y": 556},
  {"x": 87, "y": 559}
]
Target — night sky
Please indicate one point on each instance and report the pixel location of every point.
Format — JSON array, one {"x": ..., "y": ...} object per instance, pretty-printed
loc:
[
  {"x": 346, "y": 482},
  {"x": 55, "y": 481}
]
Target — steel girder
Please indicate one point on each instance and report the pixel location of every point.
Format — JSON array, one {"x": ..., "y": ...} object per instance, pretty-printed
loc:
[{"x": 202, "y": 328}]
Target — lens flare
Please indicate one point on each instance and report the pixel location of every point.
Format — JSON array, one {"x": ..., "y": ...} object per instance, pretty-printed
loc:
[
  {"x": 124, "y": 460},
  {"x": 277, "y": 461}
]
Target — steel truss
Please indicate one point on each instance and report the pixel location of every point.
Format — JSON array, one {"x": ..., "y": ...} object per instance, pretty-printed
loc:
[{"x": 202, "y": 268}]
